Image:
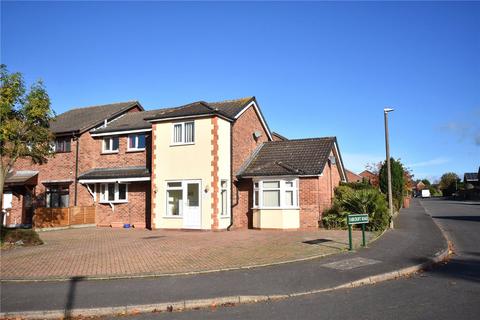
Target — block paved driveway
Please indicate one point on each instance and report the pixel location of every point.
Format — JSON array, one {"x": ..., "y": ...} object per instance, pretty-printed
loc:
[{"x": 106, "y": 252}]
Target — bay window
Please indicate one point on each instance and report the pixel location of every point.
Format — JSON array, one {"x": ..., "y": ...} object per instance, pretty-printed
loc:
[
  {"x": 113, "y": 192},
  {"x": 183, "y": 133},
  {"x": 275, "y": 193}
]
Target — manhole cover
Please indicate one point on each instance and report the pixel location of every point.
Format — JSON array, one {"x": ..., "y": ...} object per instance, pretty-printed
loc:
[{"x": 350, "y": 263}]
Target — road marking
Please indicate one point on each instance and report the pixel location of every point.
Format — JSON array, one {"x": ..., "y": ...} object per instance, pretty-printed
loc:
[{"x": 350, "y": 263}]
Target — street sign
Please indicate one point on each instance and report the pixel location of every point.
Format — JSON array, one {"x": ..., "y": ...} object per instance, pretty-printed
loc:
[
  {"x": 353, "y": 219},
  {"x": 357, "y": 218}
]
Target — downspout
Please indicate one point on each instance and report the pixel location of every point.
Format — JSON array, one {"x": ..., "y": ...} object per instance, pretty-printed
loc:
[
  {"x": 231, "y": 177},
  {"x": 77, "y": 147}
]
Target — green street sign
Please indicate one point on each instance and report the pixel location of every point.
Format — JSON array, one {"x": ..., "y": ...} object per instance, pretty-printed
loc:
[{"x": 357, "y": 219}]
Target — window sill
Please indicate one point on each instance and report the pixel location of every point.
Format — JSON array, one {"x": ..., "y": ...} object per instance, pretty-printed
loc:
[
  {"x": 224, "y": 217},
  {"x": 109, "y": 152},
  {"x": 113, "y": 202},
  {"x": 181, "y": 144},
  {"x": 62, "y": 151},
  {"x": 135, "y": 150},
  {"x": 172, "y": 217},
  {"x": 276, "y": 208}
]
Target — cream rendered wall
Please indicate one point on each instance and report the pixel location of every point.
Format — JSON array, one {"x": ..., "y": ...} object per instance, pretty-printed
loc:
[
  {"x": 276, "y": 218},
  {"x": 183, "y": 162},
  {"x": 224, "y": 141}
]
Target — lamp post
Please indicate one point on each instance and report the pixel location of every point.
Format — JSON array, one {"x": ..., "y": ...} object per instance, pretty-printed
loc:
[{"x": 389, "y": 170}]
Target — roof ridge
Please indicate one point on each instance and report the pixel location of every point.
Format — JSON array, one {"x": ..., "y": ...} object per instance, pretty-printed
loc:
[
  {"x": 101, "y": 105},
  {"x": 305, "y": 139},
  {"x": 232, "y": 100}
]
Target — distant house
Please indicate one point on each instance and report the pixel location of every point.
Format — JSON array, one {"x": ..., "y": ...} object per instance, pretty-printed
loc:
[
  {"x": 370, "y": 177},
  {"x": 278, "y": 137},
  {"x": 353, "y": 177},
  {"x": 471, "y": 178}
]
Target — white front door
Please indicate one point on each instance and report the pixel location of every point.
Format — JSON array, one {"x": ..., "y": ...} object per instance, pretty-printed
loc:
[{"x": 192, "y": 215}]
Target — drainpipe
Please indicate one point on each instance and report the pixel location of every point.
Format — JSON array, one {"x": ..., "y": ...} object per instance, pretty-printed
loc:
[
  {"x": 77, "y": 148},
  {"x": 231, "y": 177}
]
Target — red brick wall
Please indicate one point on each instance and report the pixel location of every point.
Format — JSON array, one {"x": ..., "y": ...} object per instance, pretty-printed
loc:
[
  {"x": 243, "y": 144},
  {"x": 316, "y": 194},
  {"x": 62, "y": 167}
]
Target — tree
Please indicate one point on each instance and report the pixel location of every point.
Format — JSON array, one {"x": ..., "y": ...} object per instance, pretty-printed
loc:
[
  {"x": 449, "y": 183},
  {"x": 398, "y": 181},
  {"x": 426, "y": 182},
  {"x": 24, "y": 119}
]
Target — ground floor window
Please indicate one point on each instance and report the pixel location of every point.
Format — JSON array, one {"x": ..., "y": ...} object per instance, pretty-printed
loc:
[
  {"x": 113, "y": 192},
  {"x": 275, "y": 193},
  {"x": 57, "y": 196},
  {"x": 174, "y": 199},
  {"x": 224, "y": 197}
]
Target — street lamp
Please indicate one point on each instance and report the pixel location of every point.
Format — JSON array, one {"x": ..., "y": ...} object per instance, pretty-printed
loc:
[{"x": 389, "y": 171}]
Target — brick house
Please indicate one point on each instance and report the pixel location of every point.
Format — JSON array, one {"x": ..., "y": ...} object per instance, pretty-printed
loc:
[
  {"x": 353, "y": 177},
  {"x": 204, "y": 165}
]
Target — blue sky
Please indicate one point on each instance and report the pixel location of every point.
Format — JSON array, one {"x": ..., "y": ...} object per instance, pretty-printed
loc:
[{"x": 317, "y": 69}]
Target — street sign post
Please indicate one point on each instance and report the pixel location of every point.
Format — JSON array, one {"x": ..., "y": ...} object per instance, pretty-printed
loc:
[{"x": 353, "y": 219}]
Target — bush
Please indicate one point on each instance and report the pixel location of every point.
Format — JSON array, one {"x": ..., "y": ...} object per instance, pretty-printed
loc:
[
  {"x": 28, "y": 236},
  {"x": 363, "y": 201}
]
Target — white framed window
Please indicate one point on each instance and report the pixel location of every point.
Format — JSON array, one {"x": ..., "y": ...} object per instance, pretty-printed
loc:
[
  {"x": 275, "y": 193},
  {"x": 113, "y": 192},
  {"x": 136, "y": 142},
  {"x": 224, "y": 198},
  {"x": 174, "y": 199},
  {"x": 183, "y": 133},
  {"x": 110, "y": 145}
]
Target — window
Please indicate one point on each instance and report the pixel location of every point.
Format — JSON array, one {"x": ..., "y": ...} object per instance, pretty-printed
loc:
[
  {"x": 136, "y": 142},
  {"x": 110, "y": 145},
  {"x": 62, "y": 145},
  {"x": 223, "y": 197},
  {"x": 113, "y": 192},
  {"x": 184, "y": 133},
  {"x": 174, "y": 199},
  {"x": 275, "y": 194},
  {"x": 57, "y": 196}
]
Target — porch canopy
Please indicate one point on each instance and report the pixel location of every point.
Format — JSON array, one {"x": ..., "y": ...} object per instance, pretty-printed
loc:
[
  {"x": 21, "y": 178},
  {"x": 118, "y": 174}
]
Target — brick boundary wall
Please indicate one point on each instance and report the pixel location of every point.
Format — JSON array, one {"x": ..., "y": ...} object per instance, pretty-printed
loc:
[
  {"x": 214, "y": 173},
  {"x": 153, "y": 179}
]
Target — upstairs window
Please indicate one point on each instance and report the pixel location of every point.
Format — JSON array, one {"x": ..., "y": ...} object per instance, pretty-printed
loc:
[
  {"x": 113, "y": 192},
  {"x": 62, "y": 145},
  {"x": 110, "y": 145},
  {"x": 136, "y": 142},
  {"x": 183, "y": 133}
]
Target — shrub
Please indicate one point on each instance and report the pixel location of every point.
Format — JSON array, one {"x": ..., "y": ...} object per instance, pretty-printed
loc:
[
  {"x": 28, "y": 236},
  {"x": 364, "y": 201}
]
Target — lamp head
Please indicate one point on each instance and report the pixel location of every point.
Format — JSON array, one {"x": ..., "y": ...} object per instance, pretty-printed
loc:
[{"x": 387, "y": 110}]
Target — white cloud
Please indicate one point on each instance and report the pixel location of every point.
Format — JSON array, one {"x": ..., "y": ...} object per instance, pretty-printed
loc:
[{"x": 429, "y": 163}]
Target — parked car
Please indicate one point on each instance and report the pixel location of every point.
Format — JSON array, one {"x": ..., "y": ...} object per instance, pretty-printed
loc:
[{"x": 425, "y": 193}]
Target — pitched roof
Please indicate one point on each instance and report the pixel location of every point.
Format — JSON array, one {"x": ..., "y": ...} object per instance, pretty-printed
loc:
[
  {"x": 352, "y": 176},
  {"x": 130, "y": 121},
  {"x": 228, "y": 109},
  {"x": 111, "y": 173},
  {"x": 83, "y": 119},
  {"x": 471, "y": 176},
  {"x": 290, "y": 157}
]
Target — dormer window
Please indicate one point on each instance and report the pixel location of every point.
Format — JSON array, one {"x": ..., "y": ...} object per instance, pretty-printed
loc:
[
  {"x": 183, "y": 133},
  {"x": 110, "y": 145},
  {"x": 136, "y": 142}
]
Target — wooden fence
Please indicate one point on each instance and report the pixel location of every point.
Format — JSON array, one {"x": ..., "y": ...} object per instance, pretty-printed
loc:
[{"x": 63, "y": 217}]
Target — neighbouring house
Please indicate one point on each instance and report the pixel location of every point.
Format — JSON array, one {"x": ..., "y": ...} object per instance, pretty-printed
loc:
[
  {"x": 472, "y": 178},
  {"x": 370, "y": 177},
  {"x": 353, "y": 177},
  {"x": 204, "y": 165},
  {"x": 278, "y": 137},
  {"x": 471, "y": 185}
]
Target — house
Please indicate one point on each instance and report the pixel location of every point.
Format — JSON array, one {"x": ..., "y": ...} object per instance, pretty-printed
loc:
[
  {"x": 472, "y": 178},
  {"x": 278, "y": 137},
  {"x": 353, "y": 177},
  {"x": 370, "y": 177},
  {"x": 204, "y": 165}
]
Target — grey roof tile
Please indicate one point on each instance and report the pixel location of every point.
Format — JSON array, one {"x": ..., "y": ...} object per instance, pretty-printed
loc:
[{"x": 122, "y": 172}]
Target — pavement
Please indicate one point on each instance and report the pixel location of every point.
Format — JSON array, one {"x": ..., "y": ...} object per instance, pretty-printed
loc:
[
  {"x": 415, "y": 242},
  {"x": 447, "y": 291},
  {"x": 107, "y": 252}
]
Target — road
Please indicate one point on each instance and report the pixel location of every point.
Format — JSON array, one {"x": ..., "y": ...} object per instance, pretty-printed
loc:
[{"x": 449, "y": 291}]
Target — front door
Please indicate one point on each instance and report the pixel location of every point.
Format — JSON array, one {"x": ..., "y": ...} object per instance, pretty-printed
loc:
[{"x": 192, "y": 217}]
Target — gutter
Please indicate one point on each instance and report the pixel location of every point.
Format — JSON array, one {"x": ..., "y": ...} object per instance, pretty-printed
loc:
[{"x": 77, "y": 147}]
